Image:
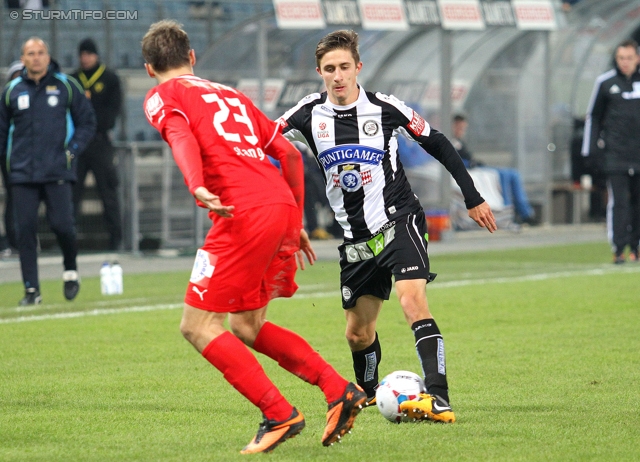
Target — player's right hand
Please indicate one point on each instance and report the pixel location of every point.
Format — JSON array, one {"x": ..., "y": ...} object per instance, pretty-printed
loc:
[
  {"x": 212, "y": 202},
  {"x": 305, "y": 247},
  {"x": 483, "y": 215}
]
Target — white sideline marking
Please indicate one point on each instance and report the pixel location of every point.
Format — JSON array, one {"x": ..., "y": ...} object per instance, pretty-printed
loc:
[
  {"x": 81, "y": 314},
  {"x": 334, "y": 293}
]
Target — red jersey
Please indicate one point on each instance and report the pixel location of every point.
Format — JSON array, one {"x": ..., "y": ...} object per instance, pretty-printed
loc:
[{"x": 233, "y": 136}]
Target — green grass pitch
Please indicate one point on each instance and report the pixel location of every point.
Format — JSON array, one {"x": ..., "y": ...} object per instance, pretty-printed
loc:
[{"x": 542, "y": 354}]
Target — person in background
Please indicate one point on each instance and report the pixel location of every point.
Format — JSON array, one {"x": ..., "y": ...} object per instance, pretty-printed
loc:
[
  {"x": 8, "y": 239},
  {"x": 612, "y": 132},
  {"x": 102, "y": 87},
  {"x": 45, "y": 123},
  {"x": 222, "y": 144},
  {"x": 513, "y": 190},
  {"x": 580, "y": 167}
]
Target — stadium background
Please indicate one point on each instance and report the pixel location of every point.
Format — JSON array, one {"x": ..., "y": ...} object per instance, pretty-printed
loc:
[
  {"x": 521, "y": 87},
  {"x": 541, "y": 328}
]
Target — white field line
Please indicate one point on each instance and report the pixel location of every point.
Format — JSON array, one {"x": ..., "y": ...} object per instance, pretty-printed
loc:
[
  {"x": 81, "y": 314},
  {"x": 334, "y": 293}
]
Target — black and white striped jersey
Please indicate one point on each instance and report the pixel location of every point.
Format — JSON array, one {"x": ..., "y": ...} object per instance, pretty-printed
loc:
[{"x": 356, "y": 148}]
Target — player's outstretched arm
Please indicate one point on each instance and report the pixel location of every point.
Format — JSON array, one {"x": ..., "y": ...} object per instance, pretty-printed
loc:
[
  {"x": 483, "y": 215},
  {"x": 293, "y": 173},
  {"x": 212, "y": 202}
]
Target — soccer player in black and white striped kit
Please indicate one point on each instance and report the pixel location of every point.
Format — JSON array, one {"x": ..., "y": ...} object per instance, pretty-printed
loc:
[{"x": 352, "y": 133}]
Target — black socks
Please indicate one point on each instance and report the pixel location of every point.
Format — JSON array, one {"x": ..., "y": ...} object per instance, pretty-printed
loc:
[
  {"x": 365, "y": 365},
  {"x": 430, "y": 349}
]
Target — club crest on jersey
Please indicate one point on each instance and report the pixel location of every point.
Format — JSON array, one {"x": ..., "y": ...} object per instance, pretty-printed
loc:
[
  {"x": 365, "y": 177},
  {"x": 370, "y": 127},
  {"x": 346, "y": 293},
  {"x": 348, "y": 154},
  {"x": 350, "y": 180}
]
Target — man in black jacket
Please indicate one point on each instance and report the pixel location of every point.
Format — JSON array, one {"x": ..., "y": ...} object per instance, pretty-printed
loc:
[
  {"x": 612, "y": 132},
  {"x": 45, "y": 123},
  {"x": 102, "y": 87}
]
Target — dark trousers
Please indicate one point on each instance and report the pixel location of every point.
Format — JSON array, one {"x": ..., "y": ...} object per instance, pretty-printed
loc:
[
  {"x": 623, "y": 211},
  {"x": 10, "y": 240},
  {"x": 57, "y": 197},
  {"x": 98, "y": 157}
]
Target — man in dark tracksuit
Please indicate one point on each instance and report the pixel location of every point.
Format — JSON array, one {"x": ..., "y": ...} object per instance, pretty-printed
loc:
[
  {"x": 45, "y": 123},
  {"x": 612, "y": 131},
  {"x": 102, "y": 87}
]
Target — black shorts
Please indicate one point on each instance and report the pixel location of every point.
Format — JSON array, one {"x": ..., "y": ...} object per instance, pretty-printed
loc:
[{"x": 398, "y": 249}]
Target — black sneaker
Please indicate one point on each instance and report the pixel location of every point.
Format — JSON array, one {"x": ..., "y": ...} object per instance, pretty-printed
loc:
[
  {"x": 271, "y": 433},
  {"x": 618, "y": 259},
  {"x": 31, "y": 297},
  {"x": 71, "y": 284}
]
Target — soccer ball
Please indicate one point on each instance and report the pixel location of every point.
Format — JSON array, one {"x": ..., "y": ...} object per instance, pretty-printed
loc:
[{"x": 395, "y": 388}]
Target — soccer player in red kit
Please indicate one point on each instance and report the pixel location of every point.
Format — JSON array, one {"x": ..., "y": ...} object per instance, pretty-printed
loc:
[{"x": 220, "y": 141}]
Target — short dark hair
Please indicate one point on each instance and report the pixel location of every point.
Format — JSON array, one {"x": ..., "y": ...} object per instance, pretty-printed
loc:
[
  {"x": 459, "y": 118},
  {"x": 338, "y": 40},
  {"x": 629, "y": 43},
  {"x": 166, "y": 46}
]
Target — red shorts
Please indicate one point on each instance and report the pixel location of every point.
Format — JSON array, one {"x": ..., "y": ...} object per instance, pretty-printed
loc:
[{"x": 247, "y": 260}]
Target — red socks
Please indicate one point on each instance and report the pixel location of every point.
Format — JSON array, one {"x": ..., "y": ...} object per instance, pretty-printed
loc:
[
  {"x": 243, "y": 371},
  {"x": 295, "y": 355}
]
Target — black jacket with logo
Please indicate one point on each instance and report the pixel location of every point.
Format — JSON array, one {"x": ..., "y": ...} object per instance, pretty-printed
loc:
[
  {"x": 612, "y": 125},
  {"x": 44, "y": 127},
  {"x": 102, "y": 87}
]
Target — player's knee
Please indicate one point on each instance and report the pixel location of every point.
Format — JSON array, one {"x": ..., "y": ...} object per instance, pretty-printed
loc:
[
  {"x": 359, "y": 339},
  {"x": 414, "y": 308},
  {"x": 245, "y": 333},
  {"x": 63, "y": 229},
  {"x": 189, "y": 330}
]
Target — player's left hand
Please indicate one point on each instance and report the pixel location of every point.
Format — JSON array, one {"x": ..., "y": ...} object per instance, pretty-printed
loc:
[
  {"x": 483, "y": 215},
  {"x": 305, "y": 247},
  {"x": 212, "y": 202}
]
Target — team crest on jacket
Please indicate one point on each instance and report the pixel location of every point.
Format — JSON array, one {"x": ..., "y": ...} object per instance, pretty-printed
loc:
[{"x": 370, "y": 127}]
